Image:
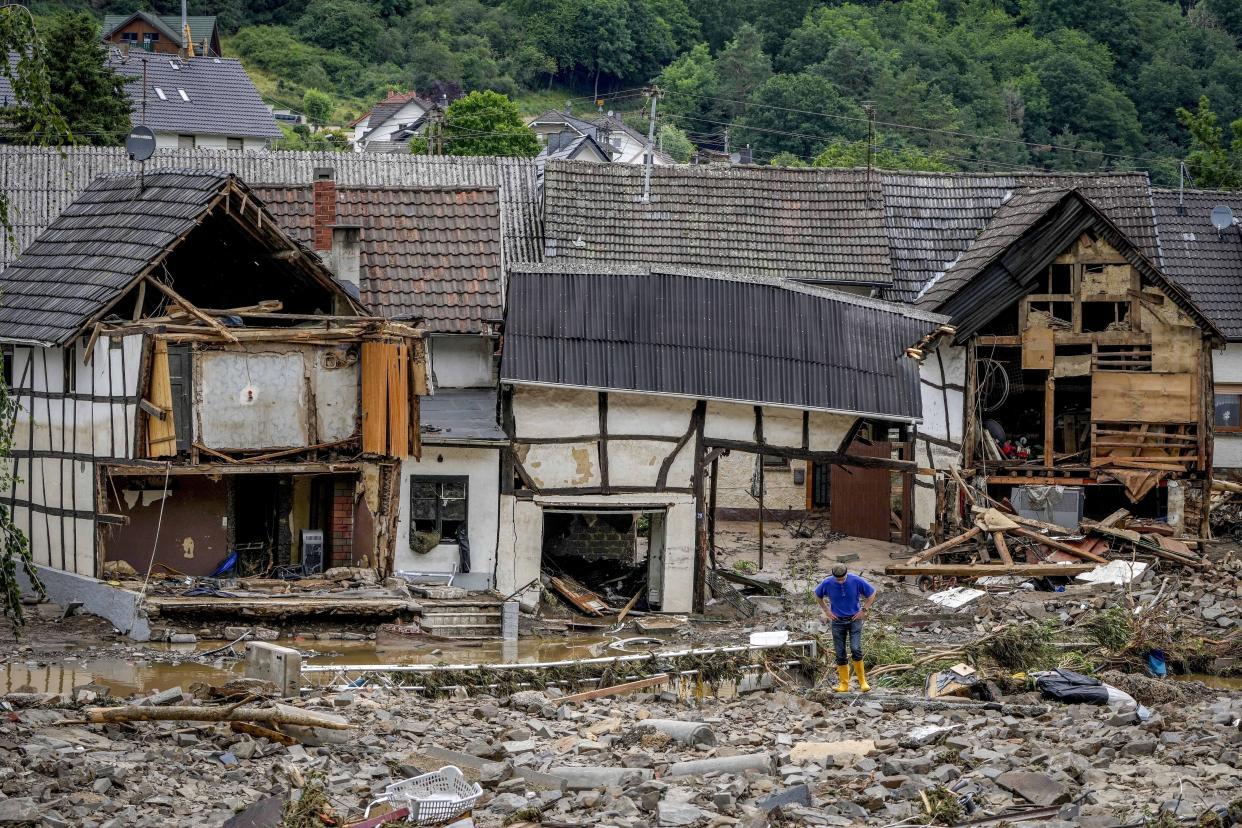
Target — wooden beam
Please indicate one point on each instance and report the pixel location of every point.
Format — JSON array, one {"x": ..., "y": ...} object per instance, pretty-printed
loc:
[
  {"x": 1050, "y": 384},
  {"x": 1059, "y": 546},
  {"x": 982, "y": 570},
  {"x": 931, "y": 552},
  {"x": 617, "y": 689},
  {"x": 1003, "y": 548},
  {"x": 191, "y": 309},
  {"x": 835, "y": 458}
]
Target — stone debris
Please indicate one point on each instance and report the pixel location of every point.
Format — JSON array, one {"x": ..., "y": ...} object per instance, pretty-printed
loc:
[{"x": 853, "y": 761}]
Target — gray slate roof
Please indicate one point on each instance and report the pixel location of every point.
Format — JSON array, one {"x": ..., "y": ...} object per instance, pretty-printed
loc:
[
  {"x": 460, "y": 415},
  {"x": 222, "y": 98},
  {"x": 1206, "y": 264},
  {"x": 807, "y": 224},
  {"x": 700, "y": 335},
  {"x": 931, "y": 218},
  {"x": 97, "y": 247},
  {"x": 1010, "y": 221}
]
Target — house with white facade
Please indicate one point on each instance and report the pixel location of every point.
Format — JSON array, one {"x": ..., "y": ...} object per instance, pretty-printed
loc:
[
  {"x": 623, "y": 143},
  {"x": 389, "y": 125}
]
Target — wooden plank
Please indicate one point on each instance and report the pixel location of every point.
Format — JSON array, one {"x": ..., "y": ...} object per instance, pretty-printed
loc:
[
  {"x": 398, "y": 400},
  {"x": 374, "y": 398},
  {"x": 981, "y": 570},
  {"x": 1114, "y": 519},
  {"x": 1038, "y": 350},
  {"x": 583, "y": 599},
  {"x": 617, "y": 689},
  {"x": 1003, "y": 548},
  {"x": 1059, "y": 546},
  {"x": 1040, "y": 478},
  {"x": 191, "y": 309},
  {"x": 161, "y": 431},
  {"x": 1050, "y": 387},
  {"x": 931, "y": 552},
  {"x": 1142, "y": 397}
]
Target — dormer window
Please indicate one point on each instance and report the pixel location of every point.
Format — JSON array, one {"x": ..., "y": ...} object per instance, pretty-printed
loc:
[
  {"x": 184, "y": 96},
  {"x": 160, "y": 94}
]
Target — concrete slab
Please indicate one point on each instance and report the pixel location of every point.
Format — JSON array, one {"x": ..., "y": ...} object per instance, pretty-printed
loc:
[{"x": 119, "y": 607}]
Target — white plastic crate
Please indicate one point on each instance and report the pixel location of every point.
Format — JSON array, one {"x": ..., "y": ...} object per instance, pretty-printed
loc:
[{"x": 433, "y": 798}]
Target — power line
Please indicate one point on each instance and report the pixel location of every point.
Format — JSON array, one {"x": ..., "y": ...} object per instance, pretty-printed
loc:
[{"x": 936, "y": 130}]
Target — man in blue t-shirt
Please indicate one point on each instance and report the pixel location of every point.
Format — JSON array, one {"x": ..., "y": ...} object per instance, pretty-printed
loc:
[{"x": 839, "y": 604}]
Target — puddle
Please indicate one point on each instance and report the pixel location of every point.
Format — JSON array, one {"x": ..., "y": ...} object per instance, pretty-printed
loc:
[
  {"x": 1216, "y": 682},
  {"x": 523, "y": 651},
  {"x": 123, "y": 677}
]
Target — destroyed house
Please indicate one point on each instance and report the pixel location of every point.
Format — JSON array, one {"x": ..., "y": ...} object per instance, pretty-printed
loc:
[
  {"x": 914, "y": 237},
  {"x": 430, "y": 256},
  {"x": 1087, "y": 372},
  {"x": 198, "y": 395},
  {"x": 623, "y": 388}
]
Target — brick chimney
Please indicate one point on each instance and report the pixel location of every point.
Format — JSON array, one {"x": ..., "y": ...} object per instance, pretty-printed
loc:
[{"x": 325, "y": 207}]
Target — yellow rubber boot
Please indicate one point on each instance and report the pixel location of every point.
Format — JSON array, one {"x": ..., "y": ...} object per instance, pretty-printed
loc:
[
  {"x": 843, "y": 678},
  {"x": 862, "y": 677}
]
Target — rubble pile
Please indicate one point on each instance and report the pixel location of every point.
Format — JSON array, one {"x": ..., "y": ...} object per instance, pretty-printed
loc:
[{"x": 639, "y": 760}]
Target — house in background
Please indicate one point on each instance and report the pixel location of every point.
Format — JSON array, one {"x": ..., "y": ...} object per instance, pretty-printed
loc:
[
  {"x": 162, "y": 33},
  {"x": 431, "y": 257},
  {"x": 196, "y": 103},
  {"x": 390, "y": 124},
  {"x": 624, "y": 144},
  {"x": 196, "y": 389}
]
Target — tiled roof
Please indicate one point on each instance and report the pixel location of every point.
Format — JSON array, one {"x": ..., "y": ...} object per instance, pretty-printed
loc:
[
  {"x": 97, "y": 247},
  {"x": 427, "y": 253},
  {"x": 1205, "y": 263},
  {"x": 454, "y": 415},
  {"x": 201, "y": 26},
  {"x": 390, "y": 106},
  {"x": 702, "y": 335},
  {"x": 222, "y": 98},
  {"x": 807, "y": 224},
  {"x": 931, "y": 218},
  {"x": 1010, "y": 221}
]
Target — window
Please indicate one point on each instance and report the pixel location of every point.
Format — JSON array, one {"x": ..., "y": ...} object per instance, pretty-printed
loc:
[
  {"x": 159, "y": 93},
  {"x": 129, "y": 37},
  {"x": 236, "y": 144},
  {"x": 771, "y": 461},
  {"x": 185, "y": 142},
  {"x": 6, "y": 357},
  {"x": 184, "y": 96},
  {"x": 1228, "y": 415},
  {"x": 437, "y": 508}
]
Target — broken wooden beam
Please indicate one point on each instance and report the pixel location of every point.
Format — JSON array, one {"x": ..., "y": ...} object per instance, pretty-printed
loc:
[
  {"x": 933, "y": 551},
  {"x": 982, "y": 570},
  {"x": 190, "y": 308},
  {"x": 276, "y": 714},
  {"x": 1059, "y": 546}
]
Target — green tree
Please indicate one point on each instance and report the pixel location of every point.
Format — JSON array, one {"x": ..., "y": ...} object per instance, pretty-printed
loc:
[
  {"x": 799, "y": 114},
  {"x": 1209, "y": 162},
  {"x": 316, "y": 106},
  {"x": 842, "y": 154},
  {"x": 300, "y": 137},
  {"x": 487, "y": 123},
  {"x": 741, "y": 67},
  {"x": 691, "y": 87},
  {"x": 786, "y": 159},
  {"x": 676, "y": 143},
  {"x": 350, "y": 27},
  {"x": 42, "y": 122},
  {"x": 83, "y": 87}
]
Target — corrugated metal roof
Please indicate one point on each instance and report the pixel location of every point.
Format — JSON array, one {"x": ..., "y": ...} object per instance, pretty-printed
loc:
[
  {"x": 222, "y": 100},
  {"x": 1207, "y": 264},
  {"x": 96, "y": 248},
  {"x": 691, "y": 334},
  {"x": 808, "y": 224},
  {"x": 428, "y": 253},
  {"x": 454, "y": 415}
]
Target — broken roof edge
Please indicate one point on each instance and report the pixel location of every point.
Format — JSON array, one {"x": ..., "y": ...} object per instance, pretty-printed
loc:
[
  {"x": 821, "y": 291},
  {"x": 902, "y": 418}
]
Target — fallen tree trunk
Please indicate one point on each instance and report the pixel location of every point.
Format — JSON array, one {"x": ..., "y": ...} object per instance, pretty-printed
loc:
[{"x": 277, "y": 714}]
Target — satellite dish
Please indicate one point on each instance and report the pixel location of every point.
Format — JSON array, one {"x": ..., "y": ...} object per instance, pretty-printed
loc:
[
  {"x": 1222, "y": 218},
  {"x": 140, "y": 144}
]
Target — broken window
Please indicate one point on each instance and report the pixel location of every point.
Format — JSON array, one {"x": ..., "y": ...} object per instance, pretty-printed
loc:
[
  {"x": 1228, "y": 408},
  {"x": 438, "y": 509}
]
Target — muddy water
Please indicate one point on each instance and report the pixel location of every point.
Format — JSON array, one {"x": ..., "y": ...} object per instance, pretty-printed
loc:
[
  {"x": 125, "y": 676},
  {"x": 1217, "y": 682}
]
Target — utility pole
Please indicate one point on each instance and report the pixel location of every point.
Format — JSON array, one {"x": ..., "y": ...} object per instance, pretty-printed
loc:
[
  {"x": 649, "y": 157},
  {"x": 869, "y": 108},
  {"x": 726, "y": 141}
]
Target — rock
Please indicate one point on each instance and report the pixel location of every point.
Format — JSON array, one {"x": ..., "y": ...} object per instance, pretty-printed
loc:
[
  {"x": 1036, "y": 788},
  {"x": 183, "y": 638},
  {"x": 924, "y": 735},
  {"x": 820, "y": 751},
  {"x": 1141, "y": 747},
  {"x": 18, "y": 810},
  {"x": 677, "y": 813},
  {"x": 507, "y": 803}
]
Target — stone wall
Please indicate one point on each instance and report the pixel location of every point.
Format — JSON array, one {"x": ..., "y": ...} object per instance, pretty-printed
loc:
[{"x": 599, "y": 537}]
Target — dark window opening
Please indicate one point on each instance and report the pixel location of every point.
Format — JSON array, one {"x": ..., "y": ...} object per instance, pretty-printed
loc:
[
  {"x": 129, "y": 37},
  {"x": 1105, "y": 316},
  {"x": 772, "y": 461},
  {"x": 6, "y": 361},
  {"x": 1061, "y": 279},
  {"x": 70, "y": 378},
  {"x": 438, "y": 508}
]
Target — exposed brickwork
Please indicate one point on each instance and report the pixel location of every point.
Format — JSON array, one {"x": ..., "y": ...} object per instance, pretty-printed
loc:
[
  {"x": 325, "y": 213},
  {"x": 342, "y": 523},
  {"x": 596, "y": 537}
]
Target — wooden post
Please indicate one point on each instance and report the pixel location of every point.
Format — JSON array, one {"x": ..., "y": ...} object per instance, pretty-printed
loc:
[
  {"x": 711, "y": 513},
  {"x": 700, "y": 509},
  {"x": 1049, "y": 418},
  {"x": 761, "y": 511}
]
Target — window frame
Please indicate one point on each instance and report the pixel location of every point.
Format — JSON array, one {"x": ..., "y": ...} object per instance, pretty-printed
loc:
[
  {"x": 439, "y": 480},
  {"x": 1226, "y": 389}
]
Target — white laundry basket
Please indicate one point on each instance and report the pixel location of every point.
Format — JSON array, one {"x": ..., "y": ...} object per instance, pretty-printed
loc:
[{"x": 432, "y": 798}]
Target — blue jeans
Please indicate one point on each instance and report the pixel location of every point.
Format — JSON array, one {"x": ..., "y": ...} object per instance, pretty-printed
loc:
[{"x": 840, "y": 629}]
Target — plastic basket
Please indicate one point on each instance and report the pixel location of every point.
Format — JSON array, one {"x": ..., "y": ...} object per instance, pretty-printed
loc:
[{"x": 432, "y": 798}]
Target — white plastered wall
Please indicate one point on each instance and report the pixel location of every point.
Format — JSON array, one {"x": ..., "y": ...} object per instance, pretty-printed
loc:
[
  {"x": 481, "y": 468},
  {"x": 1227, "y": 369},
  {"x": 462, "y": 361},
  {"x": 942, "y": 382},
  {"x": 91, "y": 418}
]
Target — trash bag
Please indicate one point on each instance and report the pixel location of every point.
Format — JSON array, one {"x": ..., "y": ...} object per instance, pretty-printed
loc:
[{"x": 1071, "y": 688}]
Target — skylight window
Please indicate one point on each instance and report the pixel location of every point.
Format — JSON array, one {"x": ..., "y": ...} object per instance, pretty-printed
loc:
[
  {"x": 184, "y": 96},
  {"x": 160, "y": 93}
]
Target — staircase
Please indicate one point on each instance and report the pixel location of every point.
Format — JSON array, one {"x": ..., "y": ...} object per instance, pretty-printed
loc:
[{"x": 475, "y": 617}]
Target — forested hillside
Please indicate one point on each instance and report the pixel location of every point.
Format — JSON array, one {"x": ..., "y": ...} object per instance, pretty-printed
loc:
[{"x": 955, "y": 83}]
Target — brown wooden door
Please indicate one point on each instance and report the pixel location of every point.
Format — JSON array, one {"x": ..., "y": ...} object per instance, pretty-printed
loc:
[{"x": 862, "y": 498}]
